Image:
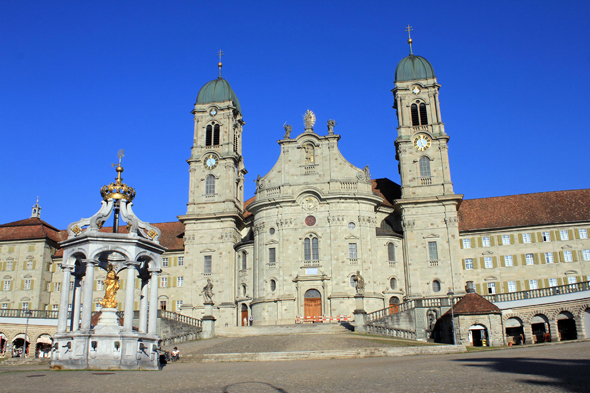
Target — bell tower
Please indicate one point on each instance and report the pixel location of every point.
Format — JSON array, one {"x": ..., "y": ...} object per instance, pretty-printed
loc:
[
  {"x": 428, "y": 205},
  {"x": 215, "y": 206}
]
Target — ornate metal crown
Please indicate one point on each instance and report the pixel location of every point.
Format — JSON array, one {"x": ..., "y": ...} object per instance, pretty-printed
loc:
[{"x": 118, "y": 189}]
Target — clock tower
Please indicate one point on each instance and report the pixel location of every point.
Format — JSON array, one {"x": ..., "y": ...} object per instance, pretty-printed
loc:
[
  {"x": 215, "y": 206},
  {"x": 428, "y": 206}
]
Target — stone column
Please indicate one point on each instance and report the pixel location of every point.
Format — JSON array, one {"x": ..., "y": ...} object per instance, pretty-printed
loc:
[
  {"x": 208, "y": 321},
  {"x": 143, "y": 306},
  {"x": 360, "y": 315},
  {"x": 62, "y": 319},
  {"x": 153, "y": 311},
  {"x": 88, "y": 289},
  {"x": 76, "y": 304},
  {"x": 129, "y": 292}
]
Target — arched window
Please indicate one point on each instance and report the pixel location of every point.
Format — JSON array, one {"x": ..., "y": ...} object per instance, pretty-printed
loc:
[
  {"x": 311, "y": 248},
  {"x": 394, "y": 300},
  {"x": 415, "y": 116},
  {"x": 216, "y": 134},
  {"x": 436, "y": 286},
  {"x": 210, "y": 185},
  {"x": 424, "y": 167},
  {"x": 419, "y": 114},
  {"x": 423, "y": 115},
  {"x": 244, "y": 289},
  {"x": 393, "y": 283},
  {"x": 244, "y": 261},
  {"x": 209, "y": 136},
  {"x": 390, "y": 252},
  {"x": 273, "y": 285}
]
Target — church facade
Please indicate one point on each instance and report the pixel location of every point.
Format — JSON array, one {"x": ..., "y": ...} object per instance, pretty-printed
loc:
[{"x": 316, "y": 222}]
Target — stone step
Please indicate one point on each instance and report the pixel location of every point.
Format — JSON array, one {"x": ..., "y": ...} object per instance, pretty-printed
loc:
[{"x": 277, "y": 330}]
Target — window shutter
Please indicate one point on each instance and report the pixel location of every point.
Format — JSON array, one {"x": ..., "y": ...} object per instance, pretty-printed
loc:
[
  {"x": 3, "y": 265},
  {"x": 552, "y": 236},
  {"x": 533, "y": 237},
  {"x": 539, "y": 237},
  {"x": 527, "y": 285},
  {"x": 511, "y": 238},
  {"x": 51, "y": 287},
  {"x": 495, "y": 261},
  {"x": 32, "y": 284},
  {"x": 136, "y": 306},
  {"x": 20, "y": 306},
  {"x": 479, "y": 242},
  {"x": 522, "y": 259},
  {"x": 502, "y": 263},
  {"x": 492, "y": 241},
  {"x": 505, "y": 287},
  {"x": 168, "y": 282},
  {"x": 463, "y": 263},
  {"x": 546, "y": 282},
  {"x": 575, "y": 255},
  {"x": 518, "y": 286},
  {"x": 580, "y": 279},
  {"x": 461, "y": 243},
  {"x": 559, "y": 281},
  {"x": 473, "y": 242},
  {"x": 482, "y": 263},
  {"x": 93, "y": 306},
  {"x": 571, "y": 233},
  {"x": 175, "y": 261},
  {"x": 25, "y": 265},
  {"x": 95, "y": 285},
  {"x": 536, "y": 259},
  {"x": 34, "y": 264},
  {"x": 499, "y": 239},
  {"x": 53, "y": 267},
  {"x": 478, "y": 288},
  {"x": 173, "y": 281},
  {"x": 520, "y": 238},
  {"x": 22, "y": 284},
  {"x": 561, "y": 259},
  {"x": 173, "y": 306}
]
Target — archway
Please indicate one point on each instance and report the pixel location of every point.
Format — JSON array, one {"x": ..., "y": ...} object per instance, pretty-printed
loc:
[
  {"x": 393, "y": 304},
  {"x": 514, "y": 331},
  {"x": 18, "y": 343},
  {"x": 587, "y": 322},
  {"x": 43, "y": 346},
  {"x": 3, "y": 342},
  {"x": 540, "y": 329},
  {"x": 244, "y": 315},
  {"x": 313, "y": 306},
  {"x": 566, "y": 326},
  {"x": 478, "y": 336}
]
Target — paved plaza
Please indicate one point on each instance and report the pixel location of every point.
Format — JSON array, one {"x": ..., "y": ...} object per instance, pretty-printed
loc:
[{"x": 544, "y": 368}]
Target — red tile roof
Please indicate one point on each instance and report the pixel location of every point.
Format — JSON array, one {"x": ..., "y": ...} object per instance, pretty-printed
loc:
[
  {"x": 247, "y": 213},
  {"x": 544, "y": 208},
  {"x": 471, "y": 304},
  {"x": 29, "y": 229},
  {"x": 387, "y": 190}
]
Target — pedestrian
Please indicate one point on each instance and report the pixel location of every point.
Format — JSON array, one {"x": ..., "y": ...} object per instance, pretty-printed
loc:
[
  {"x": 251, "y": 320},
  {"x": 175, "y": 354}
]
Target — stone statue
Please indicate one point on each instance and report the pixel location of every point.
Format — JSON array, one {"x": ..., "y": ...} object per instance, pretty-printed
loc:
[
  {"x": 367, "y": 173},
  {"x": 287, "y": 131},
  {"x": 309, "y": 119},
  {"x": 309, "y": 153},
  {"x": 208, "y": 291},
  {"x": 111, "y": 288},
  {"x": 359, "y": 283},
  {"x": 331, "y": 124}
]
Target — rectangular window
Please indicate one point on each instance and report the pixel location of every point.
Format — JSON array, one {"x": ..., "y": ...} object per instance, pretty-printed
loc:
[
  {"x": 352, "y": 250},
  {"x": 469, "y": 264},
  {"x": 526, "y": 237},
  {"x": 27, "y": 284},
  {"x": 586, "y": 255},
  {"x": 164, "y": 262},
  {"x": 548, "y": 257},
  {"x": 571, "y": 280},
  {"x": 98, "y": 306},
  {"x": 508, "y": 260},
  {"x": 48, "y": 287},
  {"x": 533, "y": 284},
  {"x": 511, "y": 286},
  {"x": 488, "y": 263},
  {"x": 4, "y": 306},
  {"x": 583, "y": 233},
  {"x": 567, "y": 256},
  {"x": 72, "y": 283},
  {"x": 272, "y": 255},
  {"x": 55, "y": 307},
  {"x": 57, "y": 286},
  {"x": 553, "y": 282},
  {"x": 486, "y": 241},
  {"x": 7, "y": 285},
  {"x": 505, "y": 240},
  {"x": 162, "y": 304},
  {"x": 9, "y": 265},
  {"x": 180, "y": 261},
  {"x": 179, "y": 281},
  {"x": 530, "y": 259},
  {"x": 207, "y": 266},
  {"x": 432, "y": 251},
  {"x": 99, "y": 285},
  {"x": 178, "y": 304},
  {"x": 546, "y": 237},
  {"x": 163, "y": 282},
  {"x": 564, "y": 234},
  {"x": 25, "y": 306},
  {"x": 491, "y": 288},
  {"x": 29, "y": 265},
  {"x": 466, "y": 243}
]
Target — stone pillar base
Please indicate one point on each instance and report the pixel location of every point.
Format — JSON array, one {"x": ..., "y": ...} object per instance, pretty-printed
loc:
[{"x": 360, "y": 320}]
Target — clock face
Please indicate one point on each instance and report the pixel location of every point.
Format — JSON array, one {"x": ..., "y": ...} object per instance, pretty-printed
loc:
[
  {"x": 213, "y": 111},
  {"x": 310, "y": 221},
  {"x": 210, "y": 161},
  {"x": 422, "y": 142},
  {"x": 416, "y": 90}
]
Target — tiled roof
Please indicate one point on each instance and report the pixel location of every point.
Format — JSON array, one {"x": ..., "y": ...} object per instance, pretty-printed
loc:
[
  {"x": 544, "y": 208},
  {"x": 247, "y": 213},
  {"x": 471, "y": 304},
  {"x": 387, "y": 190},
  {"x": 29, "y": 229}
]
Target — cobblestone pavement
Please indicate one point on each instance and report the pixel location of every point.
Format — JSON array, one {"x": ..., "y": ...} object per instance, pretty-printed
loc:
[
  {"x": 285, "y": 343},
  {"x": 545, "y": 368}
]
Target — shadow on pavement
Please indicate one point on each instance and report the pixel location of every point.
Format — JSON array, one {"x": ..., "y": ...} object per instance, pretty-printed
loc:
[
  {"x": 260, "y": 387},
  {"x": 567, "y": 374}
]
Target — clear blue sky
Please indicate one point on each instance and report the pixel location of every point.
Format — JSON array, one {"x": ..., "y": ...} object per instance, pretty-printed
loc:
[{"x": 80, "y": 80}]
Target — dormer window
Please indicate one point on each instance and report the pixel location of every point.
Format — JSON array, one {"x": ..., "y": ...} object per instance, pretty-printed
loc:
[
  {"x": 419, "y": 115},
  {"x": 212, "y": 136}
]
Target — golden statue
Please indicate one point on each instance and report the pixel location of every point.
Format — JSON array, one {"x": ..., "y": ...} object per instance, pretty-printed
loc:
[{"x": 111, "y": 288}]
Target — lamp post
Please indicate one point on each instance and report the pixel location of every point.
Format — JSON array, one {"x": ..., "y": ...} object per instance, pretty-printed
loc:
[
  {"x": 450, "y": 294},
  {"x": 27, "y": 313}
]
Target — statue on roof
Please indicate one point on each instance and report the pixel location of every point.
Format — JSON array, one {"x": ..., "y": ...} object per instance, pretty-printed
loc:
[
  {"x": 288, "y": 128},
  {"x": 331, "y": 124}
]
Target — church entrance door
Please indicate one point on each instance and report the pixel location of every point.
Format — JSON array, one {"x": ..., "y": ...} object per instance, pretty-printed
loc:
[
  {"x": 244, "y": 316},
  {"x": 313, "y": 306}
]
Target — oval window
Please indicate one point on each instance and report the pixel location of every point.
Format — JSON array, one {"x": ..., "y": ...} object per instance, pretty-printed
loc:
[
  {"x": 273, "y": 285},
  {"x": 436, "y": 286},
  {"x": 271, "y": 231},
  {"x": 393, "y": 283}
]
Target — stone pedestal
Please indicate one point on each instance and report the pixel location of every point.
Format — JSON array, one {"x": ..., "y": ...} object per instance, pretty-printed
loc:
[
  {"x": 208, "y": 321},
  {"x": 360, "y": 315}
]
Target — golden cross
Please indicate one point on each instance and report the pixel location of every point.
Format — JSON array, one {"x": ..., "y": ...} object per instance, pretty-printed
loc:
[{"x": 409, "y": 29}]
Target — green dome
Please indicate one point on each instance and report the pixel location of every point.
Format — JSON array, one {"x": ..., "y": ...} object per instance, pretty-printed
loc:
[
  {"x": 218, "y": 90},
  {"x": 413, "y": 67}
]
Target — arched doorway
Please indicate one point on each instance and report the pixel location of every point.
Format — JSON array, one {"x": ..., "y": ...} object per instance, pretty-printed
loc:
[
  {"x": 244, "y": 315},
  {"x": 478, "y": 336},
  {"x": 3, "y": 342},
  {"x": 20, "y": 342},
  {"x": 514, "y": 331},
  {"x": 313, "y": 306},
  {"x": 566, "y": 326},
  {"x": 393, "y": 304},
  {"x": 43, "y": 346},
  {"x": 587, "y": 322},
  {"x": 540, "y": 329}
]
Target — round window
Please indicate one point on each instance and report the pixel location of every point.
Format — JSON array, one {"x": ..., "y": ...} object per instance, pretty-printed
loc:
[
  {"x": 351, "y": 226},
  {"x": 436, "y": 286},
  {"x": 271, "y": 231},
  {"x": 273, "y": 285}
]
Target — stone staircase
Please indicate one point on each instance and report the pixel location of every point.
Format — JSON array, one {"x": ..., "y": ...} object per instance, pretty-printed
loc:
[{"x": 278, "y": 330}]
